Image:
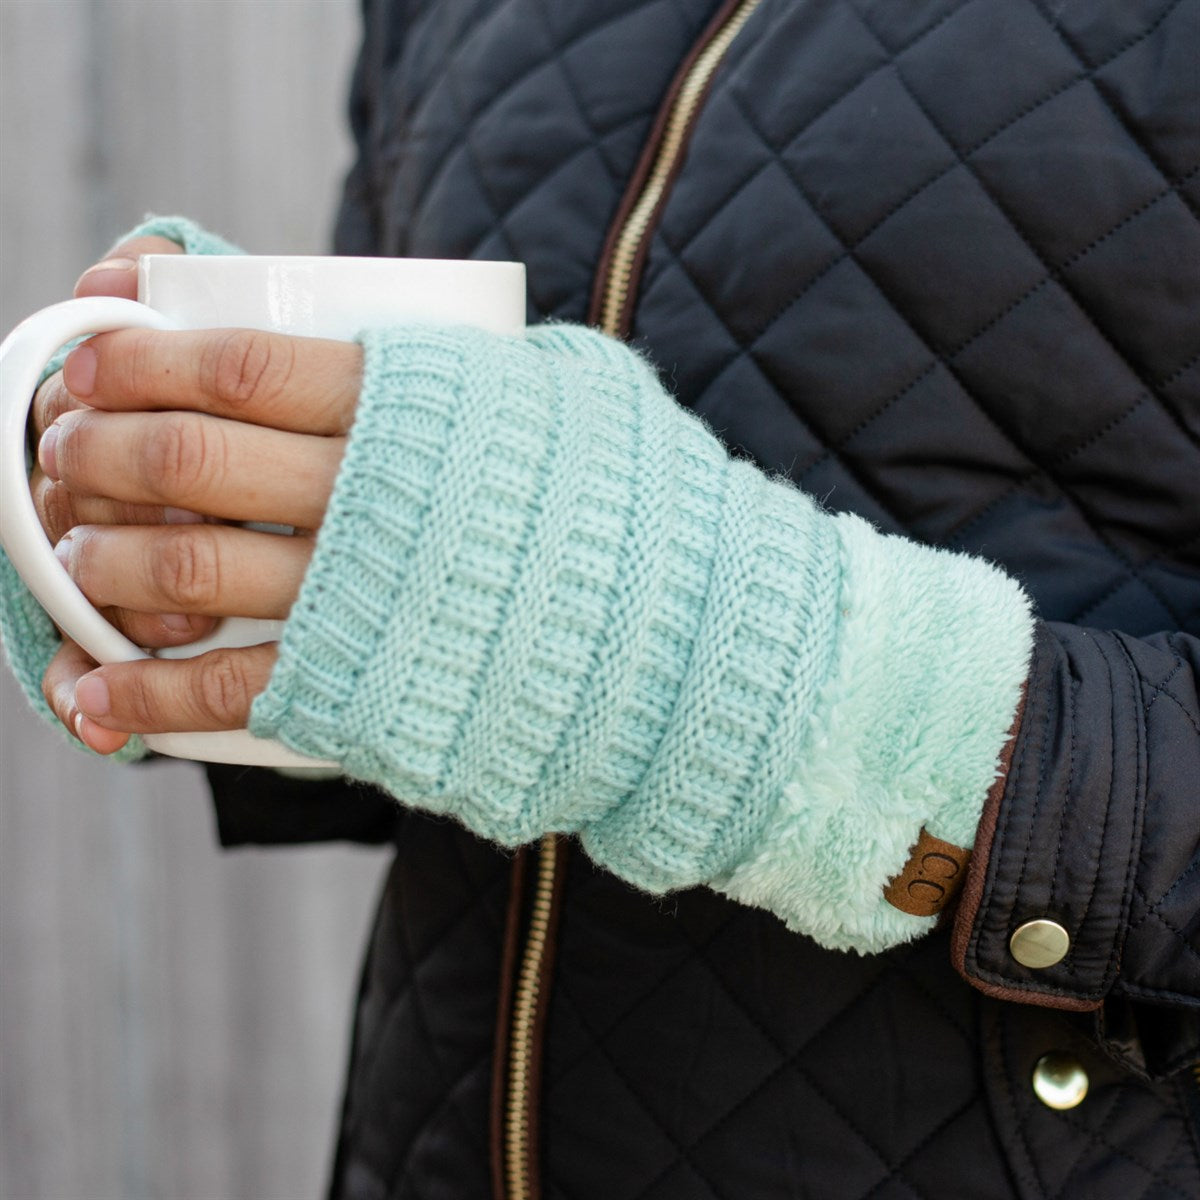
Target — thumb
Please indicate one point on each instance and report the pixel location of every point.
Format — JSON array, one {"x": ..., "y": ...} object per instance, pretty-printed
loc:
[{"x": 116, "y": 275}]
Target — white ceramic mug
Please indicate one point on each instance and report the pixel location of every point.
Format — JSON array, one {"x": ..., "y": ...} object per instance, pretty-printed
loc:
[{"x": 308, "y": 297}]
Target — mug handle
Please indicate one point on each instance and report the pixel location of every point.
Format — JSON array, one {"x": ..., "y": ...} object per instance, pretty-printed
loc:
[{"x": 23, "y": 357}]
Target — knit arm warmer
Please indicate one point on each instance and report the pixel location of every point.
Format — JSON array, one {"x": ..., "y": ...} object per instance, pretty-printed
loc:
[
  {"x": 29, "y": 637},
  {"x": 544, "y": 598}
]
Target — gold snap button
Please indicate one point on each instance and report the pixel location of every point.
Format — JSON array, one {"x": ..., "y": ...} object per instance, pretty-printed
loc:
[
  {"x": 1040, "y": 943},
  {"x": 1059, "y": 1081}
]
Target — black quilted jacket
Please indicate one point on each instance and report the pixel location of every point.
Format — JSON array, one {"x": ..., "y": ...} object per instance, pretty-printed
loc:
[{"x": 938, "y": 262}]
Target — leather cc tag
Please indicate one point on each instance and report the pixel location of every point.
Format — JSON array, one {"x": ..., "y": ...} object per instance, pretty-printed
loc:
[{"x": 931, "y": 878}]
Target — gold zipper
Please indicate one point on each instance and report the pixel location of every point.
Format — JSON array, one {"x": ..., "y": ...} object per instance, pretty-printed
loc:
[
  {"x": 519, "y": 1115},
  {"x": 687, "y": 97},
  {"x": 678, "y": 126}
]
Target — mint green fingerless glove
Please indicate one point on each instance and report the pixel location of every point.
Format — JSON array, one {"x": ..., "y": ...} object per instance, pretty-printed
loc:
[
  {"x": 544, "y": 598},
  {"x": 29, "y": 637}
]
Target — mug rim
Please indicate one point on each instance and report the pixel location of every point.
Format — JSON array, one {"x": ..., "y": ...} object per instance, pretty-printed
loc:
[{"x": 197, "y": 260}]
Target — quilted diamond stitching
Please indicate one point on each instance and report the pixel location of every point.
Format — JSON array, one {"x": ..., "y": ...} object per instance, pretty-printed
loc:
[
  {"x": 794, "y": 1061},
  {"x": 927, "y": 1141},
  {"x": 902, "y": 203},
  {"x": 743, "y": 350},
  {"x": 411, "y": 988},
  {"x": 454, "y": 63},
  {"x": 1179, "y": 882},
  {"x": 1162, "y": 690},
  {"x": 501, "y": 216},
  {"x": 468, "y": 120},
  {"x": 1019, "y": 1112},
  {"x": 559, "y": 53},
  {"x": 1081, "y": 614},
  {"x": 1055, "y": 274},
  {"x": 1160, "y": 686},
  {"x": 1089, "y": 1144},
  {"x": 1180, "y": 371},
  {"x": 1131, "y": 570},
  {"x": 623, "y": 1014},
  {"x": 786, "y": 1061},
  {"x": 1178, "y": 934},
  {"x": 934, "y": 1001},
  {"x": 1096, "y": 1139},
  {"x": 1016, "y": 227},
  {"x": 1026, "y": 1111},
  {"x": 991, "y": 417},
  {"x": 449, "y": 78},
  {"x": 450, "y": 1104},
  {"x": 738, "y": 188},
  {"x": 1138, "y": 140},
  {"x": 495, "y": 226},
  {"x": 1064, "y": 456},
  {"x": 678, "y": 252},
  {"x": 611, "y": 1061}
]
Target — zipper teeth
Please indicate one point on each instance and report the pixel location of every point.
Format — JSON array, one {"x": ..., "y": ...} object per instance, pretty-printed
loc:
[
  {"x": 678, "y": 123},
  {"x": 524, "y": 1017},
  {"x": 518, "y": 1118}
]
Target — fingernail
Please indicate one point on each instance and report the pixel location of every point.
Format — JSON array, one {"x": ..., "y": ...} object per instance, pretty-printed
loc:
[
  {"x": 91, "y": 696},
  {"x": 109, "y": 264},
  {"x": 62, "y": 551},
  {"x": 176, "y": 622},
  {"x": 79, "y": 726},
  {"x": 47, "y": 458},
  {"x": 79, "y": 371},
  {"x": 181, "y": 516}
]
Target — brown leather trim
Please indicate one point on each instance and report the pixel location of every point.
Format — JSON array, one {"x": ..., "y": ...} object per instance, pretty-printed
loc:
[
  {"x": 972, "y": 894},
  {"x": 1031, "y": 996},
  {"x": 509, "y": 960},
  {"x": 545, "y": 982},
  {"x": 642, "y": 172},
  {"x": 985, "y": 835}
]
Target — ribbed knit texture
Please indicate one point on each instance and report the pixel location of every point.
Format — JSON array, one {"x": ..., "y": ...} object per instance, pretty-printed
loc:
[
  {"x": 544, "y": 598},
  {"x": 29, "y": 636}
]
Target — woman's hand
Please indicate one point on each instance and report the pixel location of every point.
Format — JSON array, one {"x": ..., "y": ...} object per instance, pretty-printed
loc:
[
  {"x": 115, "y": 276},
  {"x": 232, "y": 424},
  {"x": 57, "y": 509}
]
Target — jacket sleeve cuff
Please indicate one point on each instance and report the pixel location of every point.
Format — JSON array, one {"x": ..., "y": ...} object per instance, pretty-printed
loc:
[{"x": 1049, "y": 850}]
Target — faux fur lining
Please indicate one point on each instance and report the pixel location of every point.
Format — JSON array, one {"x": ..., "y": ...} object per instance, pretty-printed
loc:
[{"x": 908, "y": 734}]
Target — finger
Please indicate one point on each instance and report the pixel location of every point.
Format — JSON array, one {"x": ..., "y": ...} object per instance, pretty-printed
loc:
[
  {"x": 59, "y": 509},
  {"x": 217, "y": 570},
  {"x": 116, "y": 275},
  {"x": 309, "y": 385},
  {"x": 66, "y": 668},
  {"x": 159, "y": 631},
  {"x": 212, "y": 691},
  {"x": 50, "y": 401},
  {"x": 195, "y": 462}
]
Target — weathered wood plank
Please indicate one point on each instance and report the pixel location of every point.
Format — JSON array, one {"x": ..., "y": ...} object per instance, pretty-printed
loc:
[{"x": 172, "y": 1019}]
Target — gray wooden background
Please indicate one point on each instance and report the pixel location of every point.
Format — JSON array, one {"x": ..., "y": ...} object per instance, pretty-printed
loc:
[{"x": 173, "y": 1020}]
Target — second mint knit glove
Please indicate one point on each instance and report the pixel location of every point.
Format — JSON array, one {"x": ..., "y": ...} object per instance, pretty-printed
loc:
[{"x": 544, "y": 598}]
